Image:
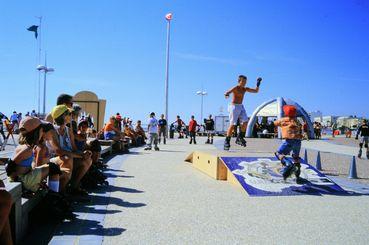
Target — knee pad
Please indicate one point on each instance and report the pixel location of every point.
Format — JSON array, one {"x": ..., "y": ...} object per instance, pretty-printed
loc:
[
  {"x": 54, "y": 169},
  {"x": 361, "y": 145}
]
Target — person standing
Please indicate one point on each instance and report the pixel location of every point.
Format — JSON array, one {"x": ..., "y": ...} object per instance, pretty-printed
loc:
[
  {"x": 152, "y": 129},
  {"x": 237, "y": 110},
  {"x": 192, "y": 126},
  {"x": 363, "y": 132},
  {"x": 2, "y": 117},
  {"x": 163, "y": 128},
  {"x": 209, "y": 128},
  {"x": 33, "y": 113}
]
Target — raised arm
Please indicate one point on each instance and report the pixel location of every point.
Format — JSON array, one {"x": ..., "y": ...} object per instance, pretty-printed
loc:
[{"x": 255, "y": 90}]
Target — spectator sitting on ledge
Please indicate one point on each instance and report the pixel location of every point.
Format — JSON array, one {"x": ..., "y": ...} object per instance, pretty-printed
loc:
[
  {"x": 111, "y": 132},
  {"x": 131, "y": 134}
]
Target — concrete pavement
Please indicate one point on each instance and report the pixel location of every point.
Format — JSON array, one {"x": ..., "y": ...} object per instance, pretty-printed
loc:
[{"x": 183, "y": 205}]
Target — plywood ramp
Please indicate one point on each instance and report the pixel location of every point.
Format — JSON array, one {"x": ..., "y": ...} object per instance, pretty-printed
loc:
[{"x": 209, "y": 164}]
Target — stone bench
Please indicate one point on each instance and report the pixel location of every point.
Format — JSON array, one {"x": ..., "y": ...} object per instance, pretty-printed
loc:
[{"x": 16, "y": 215}]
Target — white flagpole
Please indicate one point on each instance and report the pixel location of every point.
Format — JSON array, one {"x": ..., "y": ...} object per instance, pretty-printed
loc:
[{"x": 167, "y": 70}]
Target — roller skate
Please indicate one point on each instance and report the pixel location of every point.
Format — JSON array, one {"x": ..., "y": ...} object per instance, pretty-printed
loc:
[
  {"x": 148, "y": 148},
  {"x": 360, "y": 152},
  {"x": 240, "y": 139},
  {"x": 156, "y": 148},
  {"x": 207, "y": 141},
  {"x": 288, "y": 169},
  {"x": 227, "y": 143},
  {"x": 299, "y": 180}
]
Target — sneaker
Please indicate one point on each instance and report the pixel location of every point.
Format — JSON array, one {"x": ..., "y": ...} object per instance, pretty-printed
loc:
[
  {"x": 190, "y": 141},
  {"x": 156, "y": 148},
  {"x": 211, "y": 141},
  {"x": 194, "y": 142},
  {"x": 147, "y": 148},
  {"x": 207, "y": 142},
  {"x": 227, "y": 144}
]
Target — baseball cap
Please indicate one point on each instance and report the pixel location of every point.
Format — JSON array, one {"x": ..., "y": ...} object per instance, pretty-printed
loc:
[
  {"x": 28, "y": 124},
  {"x": 59, "y": 110}
]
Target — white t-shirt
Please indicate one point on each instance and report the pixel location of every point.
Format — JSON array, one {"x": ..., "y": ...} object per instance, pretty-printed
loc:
[{"x": 153, "y": 125}]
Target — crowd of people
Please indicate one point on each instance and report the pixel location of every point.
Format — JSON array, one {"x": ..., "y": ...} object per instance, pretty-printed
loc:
[
  {"x": 55, "y": 156},
  {"x": 61, "y": 154}
]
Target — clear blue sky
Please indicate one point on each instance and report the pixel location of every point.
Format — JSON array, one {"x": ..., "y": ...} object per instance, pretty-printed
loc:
[{"x": 316, "y": 52}]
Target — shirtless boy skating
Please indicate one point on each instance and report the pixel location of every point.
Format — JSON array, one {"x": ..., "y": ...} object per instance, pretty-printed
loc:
[{"x": 237, "y": 110}]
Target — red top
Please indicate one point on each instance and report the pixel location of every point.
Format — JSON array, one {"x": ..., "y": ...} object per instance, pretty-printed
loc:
[{"x": 192, "y": 126}]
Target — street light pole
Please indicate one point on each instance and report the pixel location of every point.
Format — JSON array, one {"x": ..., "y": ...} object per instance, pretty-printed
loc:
[
  {"x": 202, "y": 94},
  {"x": 168, "y": 17},
  {"x": 44, "y": 101},
  {"x": 46, "y": 70}
]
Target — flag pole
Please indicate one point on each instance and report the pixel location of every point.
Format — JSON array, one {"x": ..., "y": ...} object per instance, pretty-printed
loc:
[
  {"x": 168, "y": 18},
  {"x": 39, "y": 63}
]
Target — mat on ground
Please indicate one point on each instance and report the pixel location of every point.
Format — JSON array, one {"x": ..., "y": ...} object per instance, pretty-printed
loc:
[{"x": 262, "y": 177}]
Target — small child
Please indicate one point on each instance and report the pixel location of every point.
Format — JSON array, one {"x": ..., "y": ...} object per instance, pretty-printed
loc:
[
  {"x": 152, "y": 128},
  {"x": 192, "y": 126},
  {"x": 291, "y": 134}
]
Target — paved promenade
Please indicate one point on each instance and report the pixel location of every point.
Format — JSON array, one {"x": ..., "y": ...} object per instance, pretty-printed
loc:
[
  {"x": 158, "y": 198},
  {"x": 185, "y": 206}
]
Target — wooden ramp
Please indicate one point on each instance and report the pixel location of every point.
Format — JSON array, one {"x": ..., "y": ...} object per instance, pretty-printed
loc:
[{"x": 260, "y": 175}]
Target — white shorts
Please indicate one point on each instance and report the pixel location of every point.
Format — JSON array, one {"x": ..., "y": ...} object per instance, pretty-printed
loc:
[{"x": 237, "y": 112}]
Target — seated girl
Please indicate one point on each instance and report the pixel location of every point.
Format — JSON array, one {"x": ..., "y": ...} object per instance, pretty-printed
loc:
[{"x": 20, "y": 167}]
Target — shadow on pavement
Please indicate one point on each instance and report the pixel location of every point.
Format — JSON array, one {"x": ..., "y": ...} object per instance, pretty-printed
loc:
[{"x": 113, "y": 188}]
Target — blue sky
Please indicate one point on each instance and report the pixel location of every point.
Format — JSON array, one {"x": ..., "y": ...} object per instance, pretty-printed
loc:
[{"x": 315, "y": 52}]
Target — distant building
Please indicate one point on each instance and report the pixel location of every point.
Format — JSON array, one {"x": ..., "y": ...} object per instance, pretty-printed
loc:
[
  {"x": 316, "y": 116},
  {"x": 328, "y": 121},
  {"x": 348, "y": 122}
]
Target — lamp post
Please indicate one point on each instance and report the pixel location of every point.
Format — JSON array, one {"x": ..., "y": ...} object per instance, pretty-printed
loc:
[
  {"x": 168, "y": 17},
  {"x": 46, "y": 70},
  {"x": 202, "y": 94}
]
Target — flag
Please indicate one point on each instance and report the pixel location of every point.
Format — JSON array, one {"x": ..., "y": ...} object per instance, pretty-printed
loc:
[
  {"x": 168, "y": 16},
  {"x": 34, "y": 29}
]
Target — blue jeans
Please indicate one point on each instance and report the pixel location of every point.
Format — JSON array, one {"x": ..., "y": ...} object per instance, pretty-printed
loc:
[{"x": 289, "y": 145}]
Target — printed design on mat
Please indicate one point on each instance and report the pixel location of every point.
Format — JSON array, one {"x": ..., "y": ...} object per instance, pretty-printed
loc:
[{"x": 262, "y": 176}]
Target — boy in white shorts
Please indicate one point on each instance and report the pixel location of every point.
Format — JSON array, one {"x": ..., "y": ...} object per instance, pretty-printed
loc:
[{"x": 237, "y": 110}]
